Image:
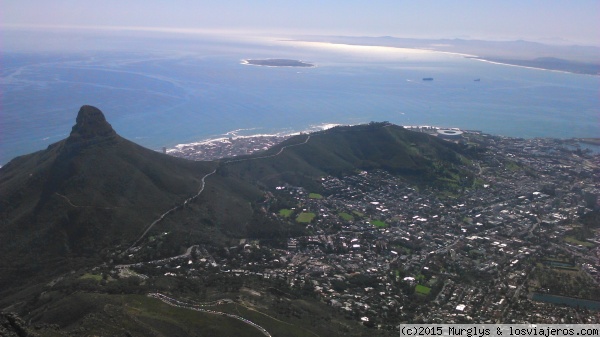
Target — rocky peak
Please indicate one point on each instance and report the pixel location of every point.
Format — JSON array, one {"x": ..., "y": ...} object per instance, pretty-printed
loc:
[{"x": 91, "y": 125}]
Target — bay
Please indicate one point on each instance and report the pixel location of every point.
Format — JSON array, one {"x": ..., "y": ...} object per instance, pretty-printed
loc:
[{"x": 170, "y": 93}]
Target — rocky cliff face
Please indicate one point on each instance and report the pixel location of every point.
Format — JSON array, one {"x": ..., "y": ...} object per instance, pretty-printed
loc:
[
  {"x": 12, "y": 325},
  {"x": 91, "y": 127}
]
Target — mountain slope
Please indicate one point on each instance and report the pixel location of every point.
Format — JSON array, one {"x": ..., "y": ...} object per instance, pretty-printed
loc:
[
  {"x": 421, "y": 158},
  {"x": 93, "y": 194},
  {"x": 77, "y": 210},
  {"x": 84, "y": 193}
]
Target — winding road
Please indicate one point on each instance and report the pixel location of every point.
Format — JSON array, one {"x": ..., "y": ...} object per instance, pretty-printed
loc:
[
  {"x": 180, "y": 304},
  {"x": 186, "y": 201},
  {"x": 269, "y": 156},
  {"x": 203, "y": 184},
  {"x": 162, "y": 216}
]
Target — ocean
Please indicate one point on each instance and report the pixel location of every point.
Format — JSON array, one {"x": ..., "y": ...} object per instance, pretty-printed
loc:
[{"x": 166, "y": 94}]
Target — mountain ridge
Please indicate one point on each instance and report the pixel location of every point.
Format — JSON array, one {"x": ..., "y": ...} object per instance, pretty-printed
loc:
[
  {"x": 88, "y": 191},
  {"x": 96, "y": 192},
  {"x": 97, "y": 201}
]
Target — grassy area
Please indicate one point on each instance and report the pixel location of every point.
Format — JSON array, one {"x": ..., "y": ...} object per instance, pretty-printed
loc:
[
  {"x": 126, "y": 272},
  {"x": 401, "y": 249},
  {"x": 137, "y": 315},
  {"x": 346, "y": 216},
  {"x": 160, "y": 317},
  {"x": 422, "y": 290},
  {"x": 358, "y": 214},
  {"x": 274, "y": 326},
  {"x": 315, "y": 196},
  {"x": 305, "y": 217},
  {"x": 573, "y": 240},
  {"x": 466, "y": 161},
  {"x": 478, "y": 183},
  {"x": 285, "y": 212},
  {"x": 89, "y": 276},
  {"x": 379, "y": 224}
]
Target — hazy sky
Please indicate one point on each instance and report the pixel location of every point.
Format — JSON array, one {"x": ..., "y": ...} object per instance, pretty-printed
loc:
[{"x": 573, "y": 20}]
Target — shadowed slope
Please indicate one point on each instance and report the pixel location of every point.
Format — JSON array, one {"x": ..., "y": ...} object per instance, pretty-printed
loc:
[
  {"x": 95, "y": 193},
  {"x": 82, "y": 194}
]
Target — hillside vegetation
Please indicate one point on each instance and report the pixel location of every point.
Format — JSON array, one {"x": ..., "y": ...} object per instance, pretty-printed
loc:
[{"x": 96, "y": 198}]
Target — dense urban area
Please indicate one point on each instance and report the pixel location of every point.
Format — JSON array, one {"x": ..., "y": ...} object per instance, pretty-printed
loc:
[{"x": 521, "y": 244}]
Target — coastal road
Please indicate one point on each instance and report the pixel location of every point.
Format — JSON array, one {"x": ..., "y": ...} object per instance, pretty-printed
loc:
[{"x": 269, "y": 156}]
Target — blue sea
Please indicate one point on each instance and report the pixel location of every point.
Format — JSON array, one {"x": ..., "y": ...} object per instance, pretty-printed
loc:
[{"x": 167, "y": 94}]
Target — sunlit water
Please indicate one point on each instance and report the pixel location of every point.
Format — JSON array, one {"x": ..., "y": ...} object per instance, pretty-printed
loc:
[{"x": 167, "y": 97}]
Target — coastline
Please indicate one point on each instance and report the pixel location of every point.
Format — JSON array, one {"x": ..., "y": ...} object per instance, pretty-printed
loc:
[
  {"x": 477, "y": 58},
  {"x": 139, "y": 114},
  {"x": 225, "y": 137},
  {"x": 481, "y": 59},
  {"x": 230, "y": 144},
  {"x": 469, "y": 56}
]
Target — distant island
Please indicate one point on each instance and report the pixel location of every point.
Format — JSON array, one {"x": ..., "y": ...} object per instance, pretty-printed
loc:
[{"x": 278, "y": 63}]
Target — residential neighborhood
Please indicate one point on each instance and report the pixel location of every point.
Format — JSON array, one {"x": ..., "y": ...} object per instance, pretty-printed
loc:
[{"x": 518, "y": 245}]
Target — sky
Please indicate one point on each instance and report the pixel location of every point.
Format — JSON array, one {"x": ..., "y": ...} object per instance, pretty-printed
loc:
[{"x": 574, "y": 21}]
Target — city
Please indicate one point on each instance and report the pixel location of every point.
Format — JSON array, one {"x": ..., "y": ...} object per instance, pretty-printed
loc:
[{"x": 504, "y": 249}]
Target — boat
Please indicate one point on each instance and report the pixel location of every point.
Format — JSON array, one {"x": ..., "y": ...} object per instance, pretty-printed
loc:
[{"x": 427, "y": 78}]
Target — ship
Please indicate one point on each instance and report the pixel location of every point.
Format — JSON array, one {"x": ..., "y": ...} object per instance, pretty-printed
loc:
[{"x": 427, "y": 78}]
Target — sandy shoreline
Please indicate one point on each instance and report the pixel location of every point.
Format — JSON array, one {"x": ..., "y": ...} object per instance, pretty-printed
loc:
[
  {"x": 377, "y": 48},
  {"x": 527, "y": 67},
  {"x": 225, "y": 138}
]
